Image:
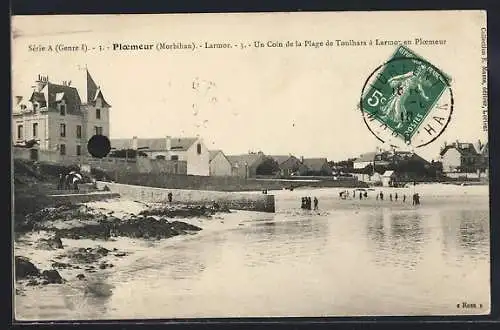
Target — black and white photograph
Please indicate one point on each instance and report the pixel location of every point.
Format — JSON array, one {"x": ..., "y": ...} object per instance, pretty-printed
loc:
[{"x": 236, "y": 165}]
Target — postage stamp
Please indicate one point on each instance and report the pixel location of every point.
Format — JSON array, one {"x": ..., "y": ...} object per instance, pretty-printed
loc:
[{"x": 407, "y": 99}]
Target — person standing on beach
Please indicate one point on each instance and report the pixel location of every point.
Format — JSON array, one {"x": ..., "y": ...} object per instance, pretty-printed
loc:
[
  {"x": 366, "y": 195},
  {"x": 396, "y": 197},
  {"x": 316, "y": 203},
  {"x": 376, "y": 197},
  {"x": 60, "y": 183},
  {"x": 381, "y": 196},
  {"x": 170, "y": 197},
  {"x": 390, "y": 197},
  {"x": 404, "y": 198},
  {"x": 67, "y": 184}
]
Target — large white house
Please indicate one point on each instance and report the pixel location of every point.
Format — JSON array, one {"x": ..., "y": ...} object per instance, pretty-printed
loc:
[
  {"x": 61, "y": 118},
  {"x": 192, "y": 150}
]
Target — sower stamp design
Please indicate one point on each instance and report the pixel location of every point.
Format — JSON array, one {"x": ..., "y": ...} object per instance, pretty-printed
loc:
[{"x": 407, "y": 100}]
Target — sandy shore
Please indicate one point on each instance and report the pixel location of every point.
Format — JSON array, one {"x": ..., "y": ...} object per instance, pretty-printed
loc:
[{"x": 70, "y": 240}]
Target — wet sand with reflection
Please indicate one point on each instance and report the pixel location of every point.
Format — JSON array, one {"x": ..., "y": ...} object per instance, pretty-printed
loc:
[{"x": 345, "y": 259}]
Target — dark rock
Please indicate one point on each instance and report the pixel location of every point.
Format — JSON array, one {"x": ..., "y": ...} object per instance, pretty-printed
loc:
[
  {"x": 61, "y": 265},
  {"x": 80, "y": 276},
  {"x": 120, "y": 254},
  {"x": 179, "y": 225},
  {"x": 52, "y": 276},
  {"x": 32, "y": 282},
  {"x": 55, "y": 242},
  {"x": 102, "y": 251},
  {"x": 25, "y": 268},
  {"x": 45, "y": 282}
]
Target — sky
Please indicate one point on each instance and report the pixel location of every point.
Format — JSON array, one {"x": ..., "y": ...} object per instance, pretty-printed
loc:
[{"x": 279, "y": 100}]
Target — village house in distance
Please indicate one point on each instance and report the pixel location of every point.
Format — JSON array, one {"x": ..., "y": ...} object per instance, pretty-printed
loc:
[
  {"x": 191, "y": 150},
  {"x": 470, "y": 158},
  {"x": 60, "y": 118}
]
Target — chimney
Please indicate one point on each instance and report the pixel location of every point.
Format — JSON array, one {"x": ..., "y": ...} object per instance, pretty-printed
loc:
[
  {"x": 168, "y": 143},
  {"x": 40, "y": 82},
  {"x": 301, "y": 159},
  {"x": 134, "y": 143}
]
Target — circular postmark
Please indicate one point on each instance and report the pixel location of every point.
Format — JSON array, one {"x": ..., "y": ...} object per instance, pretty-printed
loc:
[{"x": 407, "y": 101}]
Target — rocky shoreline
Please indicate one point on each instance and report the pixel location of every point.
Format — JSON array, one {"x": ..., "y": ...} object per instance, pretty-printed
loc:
[{"x": 49, "y": 228}]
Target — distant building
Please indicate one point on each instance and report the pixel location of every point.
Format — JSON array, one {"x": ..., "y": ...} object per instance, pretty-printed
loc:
[
  {"x": 60, "y": 117},
  {"x": 388, "y": 178},
  {"x": 464, "y": 157},
  {"x": 382, "y": 158},
  {"x": 364, "y": 160},
  {"x": 316, "y": 166},
  {"x": 192, "y": 150},
  {"x": 219, "y": 164},
  {"x": 246, "y": 165},
  {"x": 288, "y": 164}
]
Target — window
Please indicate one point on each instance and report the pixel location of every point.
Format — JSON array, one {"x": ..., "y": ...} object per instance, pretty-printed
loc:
[
  {"x": 78, "y": 131},
  {"x": 19, "y": 131},
  {"x": 35, "y": 129},
  {"x": 174, "y": 157},
  {"x": 63, "y": 130},
  {"x": 62, "y": 109},
  {"x": 98, "y": 130},
  {"x": 98, "y": 113},
  {"x": 160, "y": 157},
  {"x": 62, "y": 149},
  {"x": 78, "y": 150},
  {"x": 198, "y": 148},
  {"x": 35, "y": 106}
]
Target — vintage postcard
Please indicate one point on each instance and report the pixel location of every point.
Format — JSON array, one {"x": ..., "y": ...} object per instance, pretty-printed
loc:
[{"x": 250, "y": 165}]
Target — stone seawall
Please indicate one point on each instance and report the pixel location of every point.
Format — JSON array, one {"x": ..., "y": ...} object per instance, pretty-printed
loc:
[
  {"x": 233, "y": 200},
  {"x": 82, "y": 198}
]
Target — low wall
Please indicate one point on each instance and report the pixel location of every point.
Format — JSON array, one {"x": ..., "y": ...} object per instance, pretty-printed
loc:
[
  {"x": 220, "y": 183},
  {"x": 81, "y": 198},
  {"x": 233, "y": 200}
]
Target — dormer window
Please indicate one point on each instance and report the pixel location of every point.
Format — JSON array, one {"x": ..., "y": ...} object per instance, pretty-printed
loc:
[
  {"x": 35, "y": 106},
  {"x": 97, "y": 113},
  {"x": 198, "y": 148},
  {"x": 62, "y": 110}
]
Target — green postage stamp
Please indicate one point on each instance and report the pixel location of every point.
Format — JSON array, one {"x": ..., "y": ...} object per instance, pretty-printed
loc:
[{"x": 407, "y": 100}]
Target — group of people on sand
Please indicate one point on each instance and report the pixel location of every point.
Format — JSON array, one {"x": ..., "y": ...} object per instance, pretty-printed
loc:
[
  {"x": 69, "y": 181},
  {"x": 415, "y": 198},
  {"x": 379, "y": 196},
  {"x": 306, "y": 203},
  {"x": 345, "y": 194}
]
